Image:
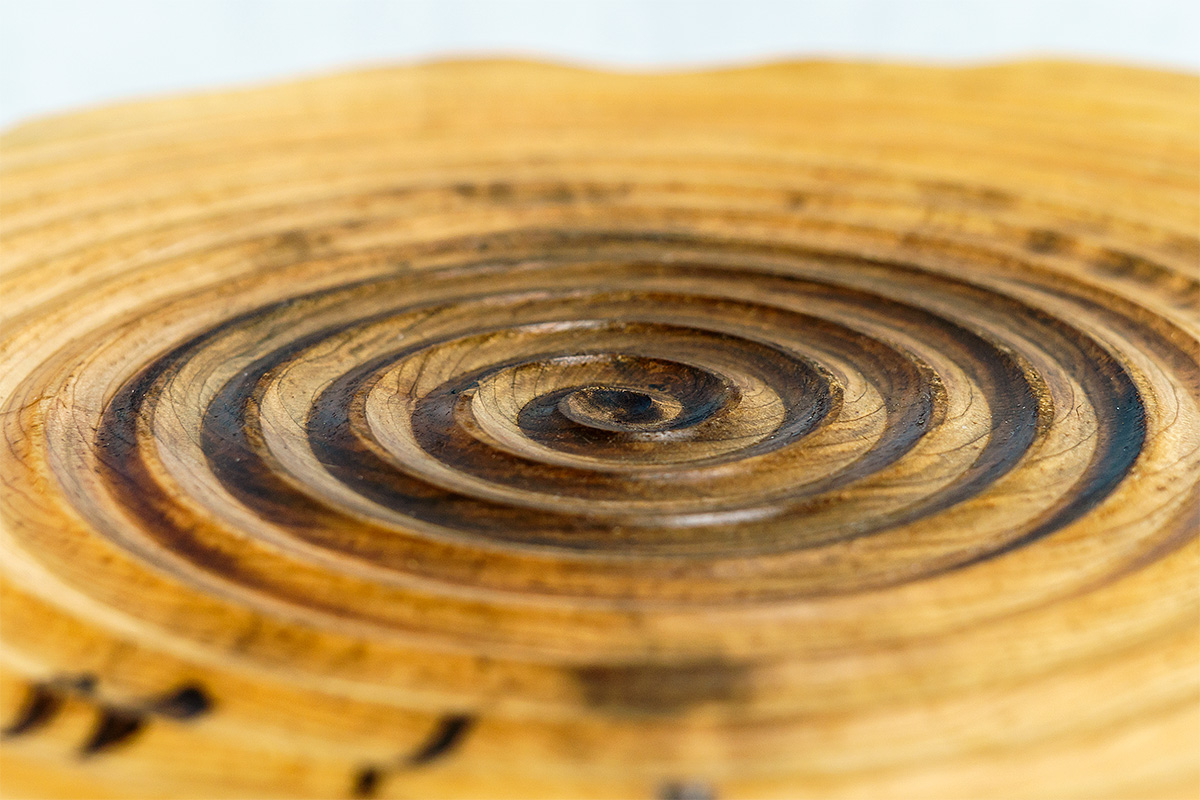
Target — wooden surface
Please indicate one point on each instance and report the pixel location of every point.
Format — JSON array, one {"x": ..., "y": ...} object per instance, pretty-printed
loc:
[{"x": 496, "y": 429}]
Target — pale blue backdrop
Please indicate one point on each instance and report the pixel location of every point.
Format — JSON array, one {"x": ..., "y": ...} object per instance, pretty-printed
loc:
[{"x": 60, "y": 54}]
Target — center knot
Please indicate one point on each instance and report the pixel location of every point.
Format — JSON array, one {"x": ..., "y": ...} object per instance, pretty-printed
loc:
[{"x": 619, "y": 408}]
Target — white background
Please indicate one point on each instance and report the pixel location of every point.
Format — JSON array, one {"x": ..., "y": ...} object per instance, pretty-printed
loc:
[{"x": 60, "y": 54}]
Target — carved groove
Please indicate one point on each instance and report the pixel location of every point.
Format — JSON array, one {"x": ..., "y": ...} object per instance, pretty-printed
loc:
[{"x": 808, "y": 430}]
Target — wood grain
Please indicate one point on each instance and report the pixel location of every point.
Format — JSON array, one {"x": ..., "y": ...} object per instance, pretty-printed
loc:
[{"x": 512, "y": 430}]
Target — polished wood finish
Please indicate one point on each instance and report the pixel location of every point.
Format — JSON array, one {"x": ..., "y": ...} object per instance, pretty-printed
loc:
[{"x": 512, "y": 430}]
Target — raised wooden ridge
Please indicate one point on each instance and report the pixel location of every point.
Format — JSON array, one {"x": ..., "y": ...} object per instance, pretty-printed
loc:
[{"x": 497, "y": 429}]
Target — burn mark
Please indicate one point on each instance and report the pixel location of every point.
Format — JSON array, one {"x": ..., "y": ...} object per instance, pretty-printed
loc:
[
  {"x": 366, "y": 782},
  {"x": 41, "y": 705},
  {"x": 114, "y": 726},
  {"x": 663, "y": 688},
  {"x": 185, "y": 703},
  {"x": 446, "y": 736}
]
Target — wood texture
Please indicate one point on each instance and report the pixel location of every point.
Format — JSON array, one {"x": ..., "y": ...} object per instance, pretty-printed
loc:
[{"x": 501, "y": 429}]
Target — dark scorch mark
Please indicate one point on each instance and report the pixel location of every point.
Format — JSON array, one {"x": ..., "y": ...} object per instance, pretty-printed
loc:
[
  {"x": 44, "y": 700},
  {"x": 366, "y": 782},
  {"x": 40, "y": 706},
  {"x": 446, "y": 735},
  {"x": 114, "y": 726},
  {"x": 186, "y": 702}
]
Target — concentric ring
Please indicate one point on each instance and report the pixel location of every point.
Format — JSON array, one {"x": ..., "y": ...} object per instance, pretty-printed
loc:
[{"x": 600, "y": 460}]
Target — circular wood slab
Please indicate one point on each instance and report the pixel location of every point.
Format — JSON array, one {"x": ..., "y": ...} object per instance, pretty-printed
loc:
[{"x": 502, "y": 429}]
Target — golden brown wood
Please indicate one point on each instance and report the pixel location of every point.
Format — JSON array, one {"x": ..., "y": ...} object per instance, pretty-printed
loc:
[{"x": 501, "y": 429}]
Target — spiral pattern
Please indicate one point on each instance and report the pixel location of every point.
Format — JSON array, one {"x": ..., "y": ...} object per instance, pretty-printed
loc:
[{"x": 511, "y": 430}]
